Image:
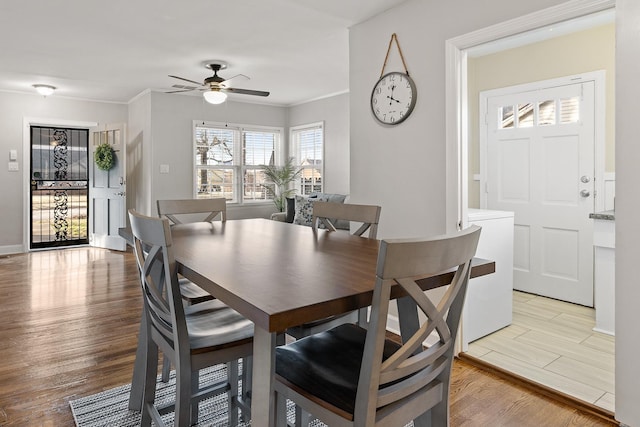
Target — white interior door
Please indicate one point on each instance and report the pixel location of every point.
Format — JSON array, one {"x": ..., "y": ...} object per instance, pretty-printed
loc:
[
  {"x": 540, "y": 165},
  {"x": 107, "y": 191}
]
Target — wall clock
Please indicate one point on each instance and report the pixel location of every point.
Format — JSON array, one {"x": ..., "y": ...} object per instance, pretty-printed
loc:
[
  {"x": 393, "y": 98},
  {"x": 394, "y": 94}
]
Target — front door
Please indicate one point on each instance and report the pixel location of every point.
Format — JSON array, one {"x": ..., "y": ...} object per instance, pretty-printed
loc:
[
  {"x": 59, "y": 179},
  {"x": 540, "y": 165},
  {"x": 108, "y": 190}
]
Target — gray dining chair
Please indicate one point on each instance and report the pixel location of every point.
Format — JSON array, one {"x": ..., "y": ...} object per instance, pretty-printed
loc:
[
  {"x": 193, "y": 337},
  {"x": 185, "y": 210},
  {"x": 193, "y": 210},
  {"x": 351, "y": 376},
  {"x": 180, "y": 211},
  {"x": 328, "y": 214}
]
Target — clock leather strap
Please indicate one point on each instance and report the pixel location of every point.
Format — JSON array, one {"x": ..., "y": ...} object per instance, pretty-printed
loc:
[{"x": 394, "y": 38}]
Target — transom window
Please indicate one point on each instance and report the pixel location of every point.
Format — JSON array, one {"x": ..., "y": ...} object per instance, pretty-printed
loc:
[
  {"x": 542, "y": 113},
  {"x": 307, "y": 147},
  {"x": 229, "y": 161}
]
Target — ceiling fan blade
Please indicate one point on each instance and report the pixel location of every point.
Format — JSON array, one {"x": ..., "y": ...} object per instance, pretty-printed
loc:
[
  {"x": 178, "y": 91},
  {"x": 245, "y": 91},
  {"x": 185, "y": 87},
  {"x": 186, "y": 80},
  {"x": 234, "y": 80}
]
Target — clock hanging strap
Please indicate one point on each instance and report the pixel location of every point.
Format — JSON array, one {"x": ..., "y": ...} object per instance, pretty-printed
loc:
[{"x": 394, "y": 38}]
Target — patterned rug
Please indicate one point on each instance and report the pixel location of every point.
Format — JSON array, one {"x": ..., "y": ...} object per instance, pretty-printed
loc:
[{"x": 110, "y": 407}]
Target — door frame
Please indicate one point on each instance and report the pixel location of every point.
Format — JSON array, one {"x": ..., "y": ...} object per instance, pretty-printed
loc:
[
  {"x": 598, "y": 77},
  {"x": 456, "y": 93},
  {"x": 27, "y": 122}
]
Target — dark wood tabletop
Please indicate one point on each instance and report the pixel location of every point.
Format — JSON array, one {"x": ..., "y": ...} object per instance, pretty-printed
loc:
[{"x": 281, "y": 275}]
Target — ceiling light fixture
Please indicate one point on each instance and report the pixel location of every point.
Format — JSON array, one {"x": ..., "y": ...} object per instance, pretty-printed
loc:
[
  {"x": 214, "y": 96},
  {"x": 44, "y": 90}
]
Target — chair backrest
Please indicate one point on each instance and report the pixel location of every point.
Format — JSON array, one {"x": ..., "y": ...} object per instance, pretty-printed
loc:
[
  {"x": 210, "y": 207},
  {"x": 328, "y": 213},
  {"x": 158, "y": 277},
  {"x": 413, "y": 373}
]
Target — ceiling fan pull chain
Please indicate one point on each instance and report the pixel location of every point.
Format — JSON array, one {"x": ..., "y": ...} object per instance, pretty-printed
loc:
[{"x": 394, "y": 37}]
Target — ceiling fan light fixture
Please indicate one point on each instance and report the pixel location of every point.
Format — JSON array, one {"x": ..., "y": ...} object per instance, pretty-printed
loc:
[
  {"x": 44, "y": 90},
  {"x": 214, "y": 96}
]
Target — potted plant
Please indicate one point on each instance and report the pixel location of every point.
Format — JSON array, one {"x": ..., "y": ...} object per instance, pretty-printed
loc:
[{"x": 278, "y": 180}]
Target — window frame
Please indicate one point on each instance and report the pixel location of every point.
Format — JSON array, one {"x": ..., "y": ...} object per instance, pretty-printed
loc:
[
  {"x": 294, "y": 151},
  {"x": 239, "y": 168}
]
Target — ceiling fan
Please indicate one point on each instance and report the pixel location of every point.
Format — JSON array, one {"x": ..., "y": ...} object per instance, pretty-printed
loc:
[{"x": 214, "y": 87}]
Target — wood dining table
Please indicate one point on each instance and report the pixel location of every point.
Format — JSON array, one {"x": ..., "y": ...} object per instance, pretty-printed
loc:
[{"x": 280, "y": 275}]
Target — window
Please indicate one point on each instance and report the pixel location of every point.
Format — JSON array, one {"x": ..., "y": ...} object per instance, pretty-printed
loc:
[
  {"x": 229, "y": 159},
  {"x": 548, "y": 112},
  {"x": 307, "y": 147}
]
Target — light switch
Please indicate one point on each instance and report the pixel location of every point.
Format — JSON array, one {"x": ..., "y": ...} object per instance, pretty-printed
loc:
[
  {"x": 13, "y": 155},
  {"x": 164, "y": 168},
  {"x": 13, "y": 167}
]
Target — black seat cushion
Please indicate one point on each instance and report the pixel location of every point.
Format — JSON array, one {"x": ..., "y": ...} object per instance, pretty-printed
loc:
[{"x": 327, "y": 364}]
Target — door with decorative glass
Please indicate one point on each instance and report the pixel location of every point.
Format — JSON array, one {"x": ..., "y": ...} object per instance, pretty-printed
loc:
[
  {"x": 59, "y": 185},
  {"x": 539, "y": 164}
]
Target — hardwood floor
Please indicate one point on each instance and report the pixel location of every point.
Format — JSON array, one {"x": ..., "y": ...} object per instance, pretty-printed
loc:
[
  {"x": 553, "y": 343},
  {"x": 69, "y": 329}
]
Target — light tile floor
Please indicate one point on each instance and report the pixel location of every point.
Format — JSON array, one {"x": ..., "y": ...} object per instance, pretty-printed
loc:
[{"x": 552, "y": 342}]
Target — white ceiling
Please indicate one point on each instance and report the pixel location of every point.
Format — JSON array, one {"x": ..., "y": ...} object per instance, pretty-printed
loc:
[{"x": 113, "y": 50}]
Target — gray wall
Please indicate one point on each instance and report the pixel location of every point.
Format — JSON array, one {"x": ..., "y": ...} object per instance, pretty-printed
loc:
[
  {"x": 334, "y": 112},
  {"x": 403, "y": 167},
  {"x": 160, "y": 132},
  {"x": 14, "y": 108}
]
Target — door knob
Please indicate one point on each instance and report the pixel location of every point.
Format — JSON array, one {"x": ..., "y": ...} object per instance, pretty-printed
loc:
[
  {"x": 122, "y": 193},
  {"x": 585, "y": 179},
  {"x": 584, "y": 193}
]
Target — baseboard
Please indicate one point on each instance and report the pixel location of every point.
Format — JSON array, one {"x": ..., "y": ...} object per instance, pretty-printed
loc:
[
  {"x": 11, "y": 249},
  {"x": 542, "y": 389}
]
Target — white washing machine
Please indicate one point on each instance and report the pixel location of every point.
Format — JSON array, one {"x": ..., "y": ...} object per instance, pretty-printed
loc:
[{"x": 488, "y": 306}]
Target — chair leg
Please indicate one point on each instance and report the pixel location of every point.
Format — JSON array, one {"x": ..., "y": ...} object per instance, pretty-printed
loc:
[
  {"x": 232, "y": 394},
  {"x": 363, "y": 317},
  {"x": 281, "y": 410},
  {"x": 247, "y": 378},
  {"x": 183, "y": 394},
  {"x": 149, "y": 393},
  {"x": 303, "y": 418},
  {"x": 194, "y": 404},
  {"x": 166, "y": 369}
]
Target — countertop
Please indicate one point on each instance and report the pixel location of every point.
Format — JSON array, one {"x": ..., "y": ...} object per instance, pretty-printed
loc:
[{"x": 606, "y": 215}]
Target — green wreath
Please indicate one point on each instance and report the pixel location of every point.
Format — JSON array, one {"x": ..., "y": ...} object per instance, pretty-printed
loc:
[{"x": 105, "y": 157}]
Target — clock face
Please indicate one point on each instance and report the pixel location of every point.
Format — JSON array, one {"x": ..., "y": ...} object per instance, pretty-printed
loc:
[{"x": 393, "y": 98}]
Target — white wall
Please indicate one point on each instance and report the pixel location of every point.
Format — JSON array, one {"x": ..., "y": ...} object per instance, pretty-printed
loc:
[
  {"x": 627, "y": 209},
  {"x": 334, "y": 112},
  {"x": 14, "y": 108},
  {"x": 403, "y": 167}
]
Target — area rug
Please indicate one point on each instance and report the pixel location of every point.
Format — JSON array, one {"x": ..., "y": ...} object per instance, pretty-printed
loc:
[{"x": 110, "y": 407}]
